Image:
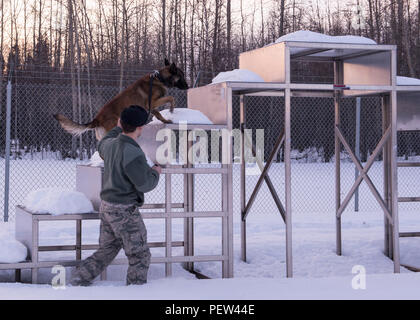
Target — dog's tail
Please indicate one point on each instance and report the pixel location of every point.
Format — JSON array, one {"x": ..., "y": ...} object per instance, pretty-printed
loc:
[{"x": 74, "y": 128}]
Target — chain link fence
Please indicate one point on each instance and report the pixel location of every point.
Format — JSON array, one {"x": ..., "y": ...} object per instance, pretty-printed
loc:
[
  {"x": 43, "y": 155},
  {"x": 312, "y": 143}
]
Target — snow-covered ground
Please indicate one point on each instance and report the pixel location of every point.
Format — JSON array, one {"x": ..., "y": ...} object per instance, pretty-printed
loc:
[
  {"x": 318, "y": 271},
  {"x": 389, "y": 286}
]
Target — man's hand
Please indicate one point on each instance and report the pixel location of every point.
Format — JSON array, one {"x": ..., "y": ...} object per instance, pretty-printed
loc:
[
  {"x": 119, "y": 123},
  {"x": 157, "y": 168}
]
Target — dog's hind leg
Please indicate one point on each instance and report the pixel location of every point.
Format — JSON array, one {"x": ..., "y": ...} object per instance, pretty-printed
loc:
[{"x": 160, "y": 117}]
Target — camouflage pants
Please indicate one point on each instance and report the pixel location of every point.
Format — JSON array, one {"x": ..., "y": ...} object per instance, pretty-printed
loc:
[{"x": 121, "y": 227}]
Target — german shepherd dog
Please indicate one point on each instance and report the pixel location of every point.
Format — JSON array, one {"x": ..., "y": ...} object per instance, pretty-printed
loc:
[{"x": 136, "y": 94}]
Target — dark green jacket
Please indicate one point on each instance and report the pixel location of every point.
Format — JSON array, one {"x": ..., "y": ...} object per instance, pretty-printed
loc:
[{"x": 127, "y": 176}]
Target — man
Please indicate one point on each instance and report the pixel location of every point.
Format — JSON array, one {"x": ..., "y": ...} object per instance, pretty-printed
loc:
[{"x": 127, "y": 176}]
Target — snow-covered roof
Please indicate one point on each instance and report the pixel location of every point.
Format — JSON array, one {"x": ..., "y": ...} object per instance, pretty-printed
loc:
[
  {"x": 242, "y": 75},
  {"x": 406, "y": 81},
  {"x": 315, "y": 37},
  {"x": 310, "y": 36},
  {"x": 238, "y": 75}
]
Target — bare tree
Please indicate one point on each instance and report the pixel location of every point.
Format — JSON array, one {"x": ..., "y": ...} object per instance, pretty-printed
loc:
[
  {"x": 406, "y": 41},
  {"x": 164, "y": 27},
  {"x": 282, "y": 7},
  {"x": 262, "y": 23},
  {"x": 123, "y": 39},
  {"x": 243, "y": 28},
  {"x": 217, "y": 4},
  {"x": 71, "y": 57},
  {"x": 229, "y": 31}
]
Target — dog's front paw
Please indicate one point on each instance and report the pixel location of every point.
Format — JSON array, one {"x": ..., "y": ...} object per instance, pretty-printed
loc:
[{"x": 167, "y": 121}]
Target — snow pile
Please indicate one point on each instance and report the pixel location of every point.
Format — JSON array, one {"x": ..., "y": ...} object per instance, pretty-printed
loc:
[
  {"x": 183, "y": 115},
  {"x": 11, "y": 250},
  {"x": 57, "y": 202},
  {"x": 237, "y": 75},
  {"x": 96, "y": 160},
  {"x": 310, "y": 36},
  {"x": 406, "y": 81}
]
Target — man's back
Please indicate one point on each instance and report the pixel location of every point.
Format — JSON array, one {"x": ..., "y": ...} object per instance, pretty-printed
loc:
[{"x": 127, "y": 176}]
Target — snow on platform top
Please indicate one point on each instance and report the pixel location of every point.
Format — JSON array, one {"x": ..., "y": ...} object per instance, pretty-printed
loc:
[
  {"x": 407, "y": 81},
  {"x": 240, "y": 75},
  {"x": 183, "y": 115},
  {"x": 310, "y": 36},
  {"x": 96, "y": 160},
  {"x": 56, "y": 201}
]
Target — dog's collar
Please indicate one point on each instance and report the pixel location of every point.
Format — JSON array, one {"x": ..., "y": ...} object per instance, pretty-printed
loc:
[{"x": 156, "y": 74}]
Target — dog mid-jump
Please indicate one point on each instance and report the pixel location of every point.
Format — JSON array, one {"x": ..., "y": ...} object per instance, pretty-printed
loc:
[{"x": 136, "y": 94}]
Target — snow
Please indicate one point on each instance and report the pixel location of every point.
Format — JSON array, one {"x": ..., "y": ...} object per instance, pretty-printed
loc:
[
  {"x": 237, "y": 75},
  {"x": 183, "y": 115},
  {"x": 318, "y": 271},
  {"x": 96, "y": 160},
  {"x": 11, "y": 250},
  {"x": 407, "y": 81},
  {"x": 383, "y": 286},
  {"x": 57, "y": 202},
  {"x": 310, "y": 36}
]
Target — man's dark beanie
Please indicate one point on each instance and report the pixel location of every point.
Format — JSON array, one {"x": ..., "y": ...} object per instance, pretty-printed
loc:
[{"x": 134, "y": 116}]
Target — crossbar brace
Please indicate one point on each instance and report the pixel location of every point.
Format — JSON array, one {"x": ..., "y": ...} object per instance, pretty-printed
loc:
[
  {"x": 363, "y": 173},
  {"x": 264, "y": 176}
]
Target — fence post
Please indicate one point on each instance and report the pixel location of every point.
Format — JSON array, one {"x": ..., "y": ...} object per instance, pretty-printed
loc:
[
  {"x": 7, "y": 152},
  {"x": 357, "y": 153},
  {"x": 197, "y": 79}
]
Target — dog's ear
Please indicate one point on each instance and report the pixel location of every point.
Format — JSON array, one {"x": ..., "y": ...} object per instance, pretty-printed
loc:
[
  {"x": 172, "y": 68},
  {"x": 166, "y": 62}
]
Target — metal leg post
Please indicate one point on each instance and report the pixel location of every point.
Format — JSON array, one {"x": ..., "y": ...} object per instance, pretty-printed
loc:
[
  {"x": 35, "y": 244},
  {"x": 394, "y": 173},
  {"x": 168, "y": 223},
  {"x": 288, "y": 184},
  {"x": 78, "y": 240},
  {"x": 243, "y": 181},
  {"x": 386, "y": 157}
]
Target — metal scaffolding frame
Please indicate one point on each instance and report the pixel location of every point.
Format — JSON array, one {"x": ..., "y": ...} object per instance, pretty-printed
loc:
[
  {"x": 359, "y": 70},
  {"x": 89, "y": 182}
]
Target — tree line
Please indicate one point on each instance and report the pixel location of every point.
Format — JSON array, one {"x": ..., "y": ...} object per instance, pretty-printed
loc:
[
  {"x": 87, "y": 45},
  {"x": 70, "y": 35}
]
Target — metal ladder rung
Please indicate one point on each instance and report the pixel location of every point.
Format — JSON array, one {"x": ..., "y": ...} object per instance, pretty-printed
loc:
[
  {"x": 408, "y": 164},
  {"x": 408, "y": 199}
]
